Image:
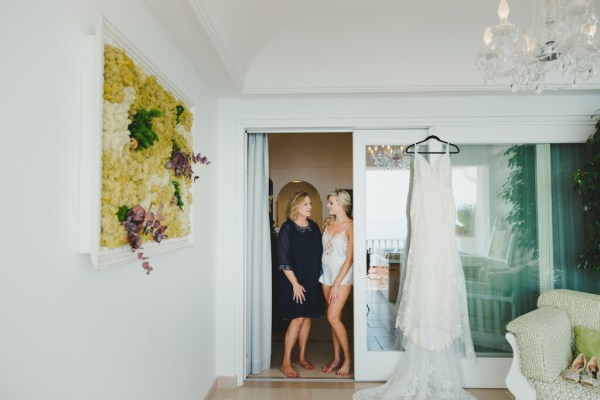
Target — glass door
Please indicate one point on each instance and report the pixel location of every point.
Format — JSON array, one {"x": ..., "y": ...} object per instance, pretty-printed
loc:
[{"x": 382, "y": 175}]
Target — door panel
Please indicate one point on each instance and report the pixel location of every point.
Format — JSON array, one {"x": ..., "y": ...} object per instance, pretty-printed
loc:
[{"x": 380, "y": 220}]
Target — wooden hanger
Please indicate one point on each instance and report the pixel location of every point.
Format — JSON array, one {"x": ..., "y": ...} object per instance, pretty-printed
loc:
[{"x": 411, "y": 149}]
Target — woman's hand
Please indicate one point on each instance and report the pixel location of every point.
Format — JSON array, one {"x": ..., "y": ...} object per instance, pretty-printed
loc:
[
  {"x": 299, "y": 293},
  {"x": 298, "y": 289},
  {"x": 333, "y": 294}
]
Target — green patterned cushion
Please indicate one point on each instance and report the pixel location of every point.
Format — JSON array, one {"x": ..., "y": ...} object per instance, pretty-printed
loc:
[
  {"x": 544, "y": 342},
  {"x": 587, "y": 341}
]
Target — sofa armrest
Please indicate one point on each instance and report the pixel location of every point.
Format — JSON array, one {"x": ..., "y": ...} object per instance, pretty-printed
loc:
[
  {"x": 544, "y": 342},
  {"x": 516, "y": 383}
]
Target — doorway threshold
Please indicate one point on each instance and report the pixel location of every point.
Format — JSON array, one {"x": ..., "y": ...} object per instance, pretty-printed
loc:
[{"x": 299, "y": 380}]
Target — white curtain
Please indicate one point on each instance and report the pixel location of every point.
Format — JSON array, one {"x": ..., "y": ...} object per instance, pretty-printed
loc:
[{"x": 258, "y": 304}]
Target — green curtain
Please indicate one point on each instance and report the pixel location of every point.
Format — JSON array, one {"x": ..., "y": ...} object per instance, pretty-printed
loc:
[{"x": 568, "y": 224}]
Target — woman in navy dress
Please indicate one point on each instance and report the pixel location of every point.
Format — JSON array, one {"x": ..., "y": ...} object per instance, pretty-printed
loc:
[{"x": 299, "y": 251}]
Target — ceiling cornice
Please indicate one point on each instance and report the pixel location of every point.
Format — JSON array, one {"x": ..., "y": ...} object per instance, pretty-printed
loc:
[{"x": 204, "y": 19}]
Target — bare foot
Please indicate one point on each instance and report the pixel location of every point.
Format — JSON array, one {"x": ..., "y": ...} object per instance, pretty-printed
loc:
[
  {"x": 305, "y": 364},
  {"x": 331, "y": 367},
  {"x": 344, "y": 370},
  {"x": 289, "y": 372}
]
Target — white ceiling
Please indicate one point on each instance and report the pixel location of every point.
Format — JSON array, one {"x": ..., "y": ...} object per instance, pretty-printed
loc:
[{"x": 335, "y": 46}]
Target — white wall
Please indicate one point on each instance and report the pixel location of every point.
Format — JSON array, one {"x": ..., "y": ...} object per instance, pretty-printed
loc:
[
  {"x": 471, "y": 118},
  {"x": 68, "y": 331}
]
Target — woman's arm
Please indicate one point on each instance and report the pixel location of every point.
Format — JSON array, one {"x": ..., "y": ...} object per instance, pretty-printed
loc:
[{"x": 286, "y": 264}]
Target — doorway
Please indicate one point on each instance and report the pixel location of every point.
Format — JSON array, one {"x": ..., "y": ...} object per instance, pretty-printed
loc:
[{"x": 321, "y": 162}]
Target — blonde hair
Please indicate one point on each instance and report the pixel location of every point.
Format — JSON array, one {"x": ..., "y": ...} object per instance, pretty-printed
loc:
[
  {"x": 294, "y": 203},
  {"x": 343, "y": 199}
]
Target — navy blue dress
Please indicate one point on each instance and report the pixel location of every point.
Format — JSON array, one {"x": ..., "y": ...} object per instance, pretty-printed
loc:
[{"x": 300, "y": 249}]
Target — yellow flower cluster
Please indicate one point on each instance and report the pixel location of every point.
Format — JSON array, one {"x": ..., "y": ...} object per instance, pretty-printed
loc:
[
  {"x": 129, "y": 176},
  {"x": 119, "y": 73}
]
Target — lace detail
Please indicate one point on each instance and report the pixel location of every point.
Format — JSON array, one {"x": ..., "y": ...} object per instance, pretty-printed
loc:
[
  {"x": 334, "y": 255},
  {"x": 421, "y": 375},
  {"x": 285, "y": 267},
  {"x": 328, "y": 248},
  {"x": 302, "y": 228},
  {"x": 433, "y": 313},
  {"x": 331, "y": 244},
  {"x": 433, "y": 308}
]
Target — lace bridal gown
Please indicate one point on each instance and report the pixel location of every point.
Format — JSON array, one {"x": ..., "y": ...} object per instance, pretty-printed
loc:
[{"x": 433, "y": 308}]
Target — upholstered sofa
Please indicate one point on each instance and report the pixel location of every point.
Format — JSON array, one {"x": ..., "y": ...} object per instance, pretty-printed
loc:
[{"x": 543, "y": 346}]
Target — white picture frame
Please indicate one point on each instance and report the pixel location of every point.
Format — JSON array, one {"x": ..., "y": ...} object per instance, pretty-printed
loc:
[{"x": 90, "y": 179}]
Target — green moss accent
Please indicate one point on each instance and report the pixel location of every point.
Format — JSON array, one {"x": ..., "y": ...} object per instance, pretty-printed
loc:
[
  {"x": 177, "y": 194},
  {"x": 176, "y": 146},
  {"x": 180, "y": 111},
  {"x": 141, "y": 128},
  {"x": 122, "y": 213}
]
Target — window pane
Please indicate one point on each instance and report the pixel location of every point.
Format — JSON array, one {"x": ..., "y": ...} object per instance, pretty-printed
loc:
[
  {"x": 386, "y": 198},
  {"x": 495, "y": 194},
  {"x": 568, "y": 219}
]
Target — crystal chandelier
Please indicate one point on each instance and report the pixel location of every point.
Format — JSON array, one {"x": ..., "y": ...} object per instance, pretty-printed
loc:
[
  {"x": 389, "y": 156},
  {"x": 561, "y": 39}
]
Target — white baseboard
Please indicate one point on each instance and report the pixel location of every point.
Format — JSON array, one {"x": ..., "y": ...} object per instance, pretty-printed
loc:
[{"x": 211, "y": 391}]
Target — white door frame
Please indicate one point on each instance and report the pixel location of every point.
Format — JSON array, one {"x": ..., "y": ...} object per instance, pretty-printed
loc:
[{"x": 364, "y": 360}]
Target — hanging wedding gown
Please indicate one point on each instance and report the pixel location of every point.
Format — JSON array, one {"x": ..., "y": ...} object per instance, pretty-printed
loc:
[{"x": 432, "y": 314}]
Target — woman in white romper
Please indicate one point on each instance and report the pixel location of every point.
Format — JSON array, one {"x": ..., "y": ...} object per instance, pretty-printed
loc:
[{"x": 337, "y": 275}]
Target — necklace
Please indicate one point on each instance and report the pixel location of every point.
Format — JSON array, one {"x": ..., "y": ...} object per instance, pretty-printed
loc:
[{"x": 301, "y": 228}]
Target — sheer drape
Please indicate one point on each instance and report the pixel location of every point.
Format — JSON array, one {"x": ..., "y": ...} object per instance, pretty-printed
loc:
[{"x": 258, "y": 304}]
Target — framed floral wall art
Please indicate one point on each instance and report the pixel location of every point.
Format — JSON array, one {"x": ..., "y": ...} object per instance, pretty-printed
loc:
[{"x": 137, "y": 147}]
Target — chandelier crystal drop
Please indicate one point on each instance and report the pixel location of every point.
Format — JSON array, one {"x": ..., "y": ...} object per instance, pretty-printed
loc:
[
  {"x": 389, "y": 156},
  {"x": 559, "y": 47}
]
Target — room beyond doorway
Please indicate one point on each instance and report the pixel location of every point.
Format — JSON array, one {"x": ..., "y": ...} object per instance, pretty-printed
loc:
[{"x": 324, "y": 161}]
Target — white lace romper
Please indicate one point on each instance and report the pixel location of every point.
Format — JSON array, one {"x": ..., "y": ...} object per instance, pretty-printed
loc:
[{"x": 334, "y": 255}]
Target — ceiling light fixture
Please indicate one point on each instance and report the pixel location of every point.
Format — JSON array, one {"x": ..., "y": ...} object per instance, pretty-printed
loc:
[
  {"x": 389, "y": 156},
  {"x": 561, "y": 39}
]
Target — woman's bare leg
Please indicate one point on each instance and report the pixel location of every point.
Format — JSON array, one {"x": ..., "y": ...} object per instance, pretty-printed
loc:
[
  {"x": 336, "y": 343},
  {"x": 302, "y": 342},
  {"x": 291, "y": 337},
  {"x": 334, "y": 317}
]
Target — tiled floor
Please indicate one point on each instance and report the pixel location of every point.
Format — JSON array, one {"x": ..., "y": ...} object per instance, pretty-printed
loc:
[
  {"x": 381, "y": 318},
  {"x": 318, "y": 353},
  {"x": 323, "y": 390}
]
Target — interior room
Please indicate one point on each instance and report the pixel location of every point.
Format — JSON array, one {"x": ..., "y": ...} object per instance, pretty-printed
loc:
[
  {"x": 326, "y": 81},
  {"x": 305, "y": 162}
]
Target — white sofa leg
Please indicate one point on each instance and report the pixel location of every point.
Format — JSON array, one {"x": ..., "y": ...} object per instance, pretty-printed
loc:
[{"x": 515, "y": 381}]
